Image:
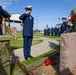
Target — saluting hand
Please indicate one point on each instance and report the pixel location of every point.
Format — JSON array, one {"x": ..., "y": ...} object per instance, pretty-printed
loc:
[
  {"x": 28, "y": 12},
  {"x": 9, "y": 15}
]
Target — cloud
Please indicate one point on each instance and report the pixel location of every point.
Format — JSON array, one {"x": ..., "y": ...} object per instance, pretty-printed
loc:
[
  {"x": 70, "y": 1},
  {"x": 5, "y": 3}
]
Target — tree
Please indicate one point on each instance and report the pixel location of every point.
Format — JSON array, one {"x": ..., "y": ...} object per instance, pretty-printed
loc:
[
  {"x": 72, "y": 12},
  {"x": 73, "y": 19}
]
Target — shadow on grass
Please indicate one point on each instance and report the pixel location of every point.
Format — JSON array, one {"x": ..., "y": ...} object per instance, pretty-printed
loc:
[
  {"x": 52, "y": 52},
  {"x": 52, "y": 45}
]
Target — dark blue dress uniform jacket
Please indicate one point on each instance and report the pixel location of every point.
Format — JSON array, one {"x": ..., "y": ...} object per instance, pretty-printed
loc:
[
  {"x": 3, "y": 12},
  {"x": 5, "y": 15},
  {"x": 64, "y": 27},
  {"x": 28, "y": 24}
]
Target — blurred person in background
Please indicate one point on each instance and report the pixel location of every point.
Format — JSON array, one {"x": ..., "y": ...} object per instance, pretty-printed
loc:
[
  {"x": 3, "y": 14},
  {"x": 64, "y": 25}
]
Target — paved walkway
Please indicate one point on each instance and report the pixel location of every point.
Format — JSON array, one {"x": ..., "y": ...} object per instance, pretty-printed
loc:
[{"x": 36, "y": 50}]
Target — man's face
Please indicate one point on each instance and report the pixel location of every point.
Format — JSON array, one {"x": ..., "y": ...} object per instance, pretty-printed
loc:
[
  {"x": 28, "y": 11},
  {"x": 63, "y": 20}
]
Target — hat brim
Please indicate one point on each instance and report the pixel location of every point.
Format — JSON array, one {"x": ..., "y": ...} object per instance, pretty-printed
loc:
[
  {"x": 63, "y": 18},
  {"x": 28, "y": 8}
]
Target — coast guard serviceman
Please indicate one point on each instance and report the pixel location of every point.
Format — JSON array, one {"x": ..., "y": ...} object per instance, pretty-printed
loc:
[
  {"x": 64, "y": 25},
  {"x": 48, "y": 31},
  {"x": 45, "y": 32},
  {"x": 4, "y": 14},
  {"x": 28, "y": 22},
  {"x": 52, "y": 31}
]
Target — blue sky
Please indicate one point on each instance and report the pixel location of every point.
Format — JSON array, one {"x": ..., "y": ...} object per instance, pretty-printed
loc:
[{"x": 44, "y": 11}]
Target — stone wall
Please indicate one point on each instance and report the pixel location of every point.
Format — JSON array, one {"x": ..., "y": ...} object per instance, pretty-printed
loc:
[{"x": 67, "y": 53}]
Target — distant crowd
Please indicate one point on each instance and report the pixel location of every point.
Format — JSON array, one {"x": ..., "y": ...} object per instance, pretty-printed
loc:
[{"x": 59, "y": 29}]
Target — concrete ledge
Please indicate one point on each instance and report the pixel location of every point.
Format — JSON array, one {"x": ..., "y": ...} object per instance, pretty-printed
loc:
[
  {"x": 67, "y": 53},
  {"x": 29, "y": 67},
  {"x": 5, "y": 37}
]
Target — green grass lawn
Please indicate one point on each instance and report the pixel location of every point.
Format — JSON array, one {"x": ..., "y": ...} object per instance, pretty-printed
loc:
[
  {"x": 38, "y": 34},
  {"x": 20, "y": 35},
  {"x": 16, "y": 44},
  {"x": 53, "y": 37}
]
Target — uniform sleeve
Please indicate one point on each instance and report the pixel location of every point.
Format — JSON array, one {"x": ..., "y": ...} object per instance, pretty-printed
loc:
[
  {"x": 23, "y": 16},
  {"x": 66, "y": 25},
  {"x": 4, "y": 13}
]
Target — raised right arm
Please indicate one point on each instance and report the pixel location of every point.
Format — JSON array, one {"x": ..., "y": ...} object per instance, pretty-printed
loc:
[
  {"x": 23, "y": 16},
  {"x": 4, "y": 13}
]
